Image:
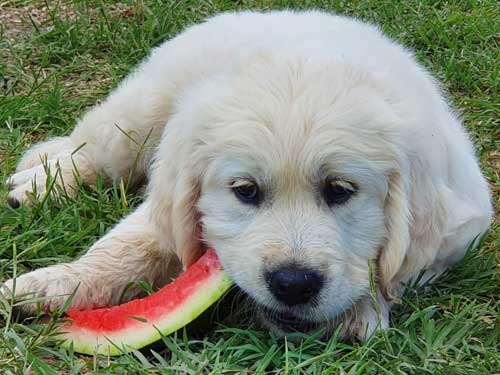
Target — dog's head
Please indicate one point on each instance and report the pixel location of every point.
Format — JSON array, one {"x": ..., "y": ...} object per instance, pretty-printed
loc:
[{"x": 293, "y": 172}]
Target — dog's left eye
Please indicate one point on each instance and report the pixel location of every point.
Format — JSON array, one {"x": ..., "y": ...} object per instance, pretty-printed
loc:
[
  {"x": 246, "y": 191},
  {"x": 337, "y": 192}
]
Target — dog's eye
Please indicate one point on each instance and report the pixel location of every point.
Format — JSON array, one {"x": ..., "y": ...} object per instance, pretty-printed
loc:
[
  {"x": 246, "y": 191},
  {"x": 338, "y": 192}
]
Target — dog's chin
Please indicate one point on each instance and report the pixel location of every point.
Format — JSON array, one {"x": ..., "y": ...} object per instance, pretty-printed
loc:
[{"x": 284, "y": 323}]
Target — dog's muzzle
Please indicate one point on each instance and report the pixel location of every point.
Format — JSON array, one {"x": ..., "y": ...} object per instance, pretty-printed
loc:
[
  {"x": 288, "y": 322},
  {"x": 293, "y": 285}
]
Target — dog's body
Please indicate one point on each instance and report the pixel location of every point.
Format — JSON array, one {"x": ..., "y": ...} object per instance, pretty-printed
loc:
[{"x": 300, "y": 146}]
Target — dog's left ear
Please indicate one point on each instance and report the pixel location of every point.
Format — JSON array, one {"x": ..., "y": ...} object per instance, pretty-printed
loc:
[
  {"x": 173, "y": 191},
  {"x": 185, "y": 218},
  {"x": 398, "y": 217}
]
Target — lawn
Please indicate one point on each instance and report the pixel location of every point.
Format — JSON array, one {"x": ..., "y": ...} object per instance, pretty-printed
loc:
[{"x": 59, "y": 58}]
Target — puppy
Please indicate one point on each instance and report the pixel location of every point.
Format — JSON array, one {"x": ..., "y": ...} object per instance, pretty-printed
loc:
[{"x": 308, "y": 149}]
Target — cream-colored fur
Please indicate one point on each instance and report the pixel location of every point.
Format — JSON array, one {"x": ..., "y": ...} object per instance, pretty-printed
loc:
[{"x": 287, "y": 100}]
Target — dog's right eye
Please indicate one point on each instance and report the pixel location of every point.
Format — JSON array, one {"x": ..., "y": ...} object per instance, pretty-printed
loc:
[
  {"x": 338, "y": 192},
  {"x": 246, "y": 191}
]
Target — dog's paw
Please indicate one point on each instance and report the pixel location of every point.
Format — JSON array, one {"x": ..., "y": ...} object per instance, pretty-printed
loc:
[
  {"x": 371, "y": 316},
  {"x": 38, "y": 153},
  {"x": 53, "y": 158},
  {"x": 27, "y": 184},
  {"x": 46, "y": 289}
]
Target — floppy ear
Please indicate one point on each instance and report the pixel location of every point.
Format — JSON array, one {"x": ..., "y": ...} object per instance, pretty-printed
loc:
[
  {"x": 185, "y": 218},
  {"x": 173, "y": 191},
  {"x": 398, "y": 217},
  {"x": 419, "y": 214}
]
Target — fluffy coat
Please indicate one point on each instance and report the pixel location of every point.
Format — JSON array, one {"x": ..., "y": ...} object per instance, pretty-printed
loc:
[{"x": 284, "y": 100}]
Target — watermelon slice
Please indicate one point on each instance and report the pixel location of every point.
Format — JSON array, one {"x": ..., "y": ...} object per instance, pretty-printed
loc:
[{"x": 135, "y": 324}]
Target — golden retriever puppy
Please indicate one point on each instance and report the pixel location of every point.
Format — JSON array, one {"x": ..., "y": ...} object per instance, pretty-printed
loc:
[{"x": 308, "y": 149}]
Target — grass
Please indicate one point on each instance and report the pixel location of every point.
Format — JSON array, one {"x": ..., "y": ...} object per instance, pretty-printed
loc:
[{"x": 62, "y": 58}]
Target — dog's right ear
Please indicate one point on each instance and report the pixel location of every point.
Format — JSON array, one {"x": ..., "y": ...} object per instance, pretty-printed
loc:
[
  {"x": 397, "y": 212},
  {"x": 173, "y": 191}
]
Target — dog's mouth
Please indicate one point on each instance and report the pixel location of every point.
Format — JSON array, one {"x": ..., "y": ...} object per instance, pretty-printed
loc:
[{"x": 288, "y": 322}]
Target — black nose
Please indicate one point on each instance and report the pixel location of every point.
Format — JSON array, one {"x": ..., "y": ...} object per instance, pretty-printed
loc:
[{"x": 293, "y": 285}]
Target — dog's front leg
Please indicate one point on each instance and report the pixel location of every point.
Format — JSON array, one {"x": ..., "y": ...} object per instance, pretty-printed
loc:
[
  {"x": 371, "y": 314},
  {"x": 129, "y": 252}
]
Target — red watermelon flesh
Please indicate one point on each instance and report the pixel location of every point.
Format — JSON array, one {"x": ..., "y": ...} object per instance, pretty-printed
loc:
[{"x": 135, "y": 324}]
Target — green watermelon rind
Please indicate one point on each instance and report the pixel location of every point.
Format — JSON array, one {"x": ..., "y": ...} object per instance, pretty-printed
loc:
[{"x": 143, "y": 333}]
